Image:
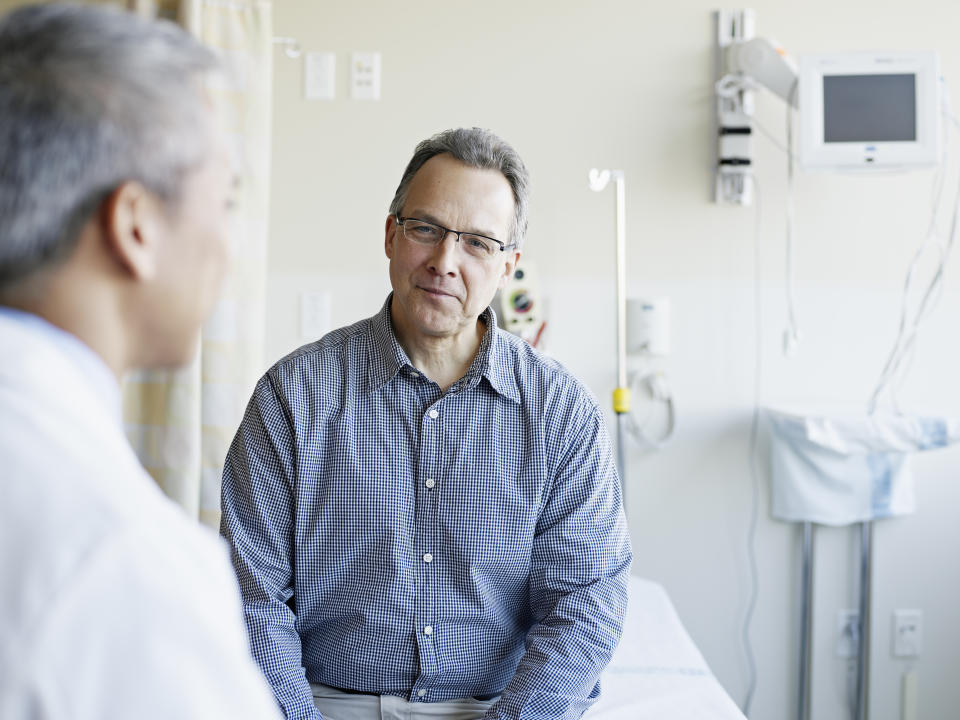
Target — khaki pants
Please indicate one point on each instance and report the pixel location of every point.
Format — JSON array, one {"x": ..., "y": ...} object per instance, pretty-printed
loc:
[{"x": 335, "y": 704}]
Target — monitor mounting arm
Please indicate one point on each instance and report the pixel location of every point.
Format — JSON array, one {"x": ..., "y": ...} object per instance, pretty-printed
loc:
[{"x": 743, "y": 63}]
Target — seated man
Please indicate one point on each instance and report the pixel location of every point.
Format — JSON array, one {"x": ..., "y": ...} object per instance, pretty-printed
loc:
[
  {"x": 424, "y": 512},
  {"x": 114, "y": 191}
]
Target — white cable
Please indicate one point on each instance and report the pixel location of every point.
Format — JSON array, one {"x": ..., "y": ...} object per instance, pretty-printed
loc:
[
  {"x": 772, "y": 138},
  {"x": 791, "y": 336},
  {"x": 906, "y": 334},
  {"x": 894, "y": 370},
  {"x": 754, "y": 473},
  {"x": 656, "y": 385},
  {"x": 733, "y": 84}
]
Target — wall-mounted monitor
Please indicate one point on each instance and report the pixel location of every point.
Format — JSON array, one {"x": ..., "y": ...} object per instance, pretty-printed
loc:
[{"x": 869, "y": 110}]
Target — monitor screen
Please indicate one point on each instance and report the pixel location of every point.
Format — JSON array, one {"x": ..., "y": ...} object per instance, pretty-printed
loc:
[{"x": 870, "y": 108}]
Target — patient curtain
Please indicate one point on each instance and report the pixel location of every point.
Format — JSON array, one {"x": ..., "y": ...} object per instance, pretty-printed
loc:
[{"x": 181, "y": 423}]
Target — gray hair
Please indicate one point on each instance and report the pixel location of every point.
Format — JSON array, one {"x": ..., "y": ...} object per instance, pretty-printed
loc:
[
  {"x": 480, "y": 149},
  {"x": 90, "y": 97}
]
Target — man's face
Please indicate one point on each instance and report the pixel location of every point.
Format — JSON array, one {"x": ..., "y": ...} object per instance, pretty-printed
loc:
[
  {"x": 440, "y": 291},
  {"x": 193, "y": 257}
]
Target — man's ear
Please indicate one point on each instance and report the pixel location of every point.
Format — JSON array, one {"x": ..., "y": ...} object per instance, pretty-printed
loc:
[
  {"x": 131, "y": 219},
  {"x": 511, "y": 264},
  {"x": 389, "y": 234}
]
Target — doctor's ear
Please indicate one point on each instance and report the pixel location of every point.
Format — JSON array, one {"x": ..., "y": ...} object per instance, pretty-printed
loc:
[{"x": 131, "y": 221}]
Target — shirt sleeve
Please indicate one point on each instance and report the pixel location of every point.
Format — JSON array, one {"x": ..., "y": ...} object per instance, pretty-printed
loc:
[
  {"x": 257, "y": 521},
  {"x": 580, "y": 566}
]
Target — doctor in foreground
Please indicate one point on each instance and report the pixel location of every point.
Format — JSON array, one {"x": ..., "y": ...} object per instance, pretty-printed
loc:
[
  {"x": 424, "y": 512},
  {"x": 114, "y": 191}
]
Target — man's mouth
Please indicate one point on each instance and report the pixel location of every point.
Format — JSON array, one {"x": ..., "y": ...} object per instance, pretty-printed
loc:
[{"x": 436, "y": 292}]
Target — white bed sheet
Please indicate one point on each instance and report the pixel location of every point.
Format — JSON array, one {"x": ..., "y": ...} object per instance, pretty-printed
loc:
[{"x": 658, "y": 673}]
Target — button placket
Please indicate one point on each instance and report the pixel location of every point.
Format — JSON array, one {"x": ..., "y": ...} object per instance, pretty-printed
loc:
[{"x": 430, "y": 461}]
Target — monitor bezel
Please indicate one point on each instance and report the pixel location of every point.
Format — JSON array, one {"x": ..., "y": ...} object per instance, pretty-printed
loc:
[{"x": 816, "y": 154}]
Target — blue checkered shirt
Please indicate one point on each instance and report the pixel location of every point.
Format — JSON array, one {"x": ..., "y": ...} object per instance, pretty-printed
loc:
[{"x": 392, "y": 538}]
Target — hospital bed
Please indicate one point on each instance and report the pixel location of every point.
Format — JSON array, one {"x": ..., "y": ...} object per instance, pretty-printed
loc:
[{"x": 657, "y": 672}]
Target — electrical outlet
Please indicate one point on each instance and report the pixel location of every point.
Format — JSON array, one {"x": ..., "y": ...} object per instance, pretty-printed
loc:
[
  {"x": 365, "y": 76},
  {"x": 907, "y": 633},
  {"x": 848, "y": 633}
]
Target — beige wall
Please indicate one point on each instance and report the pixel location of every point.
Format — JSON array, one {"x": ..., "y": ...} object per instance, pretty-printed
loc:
[{"x": 624, "y": 84}]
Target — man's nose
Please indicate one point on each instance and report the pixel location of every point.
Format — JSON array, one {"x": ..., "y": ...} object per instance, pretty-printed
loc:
[{"x": 443, "y": 260}]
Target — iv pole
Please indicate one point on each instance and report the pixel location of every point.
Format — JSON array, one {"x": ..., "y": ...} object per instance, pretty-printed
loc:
[{"x": 599, "y": 179}]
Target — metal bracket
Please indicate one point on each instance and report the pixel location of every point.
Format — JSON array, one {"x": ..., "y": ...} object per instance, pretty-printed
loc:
[{"x": 733, "y": 112}]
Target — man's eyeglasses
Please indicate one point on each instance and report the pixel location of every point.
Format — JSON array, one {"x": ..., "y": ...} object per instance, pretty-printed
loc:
[{"x": 428, "y": 233}]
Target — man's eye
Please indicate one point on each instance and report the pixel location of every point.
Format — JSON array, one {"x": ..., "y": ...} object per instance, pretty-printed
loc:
[
  {"x": 424, "y": 231},
  {"x": 478, "y": 243}
]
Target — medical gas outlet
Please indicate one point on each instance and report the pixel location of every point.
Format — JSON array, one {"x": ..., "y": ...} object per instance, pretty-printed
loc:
[
  {"x": 648, "y": 397},
  {"x": 521, "y": 305}
]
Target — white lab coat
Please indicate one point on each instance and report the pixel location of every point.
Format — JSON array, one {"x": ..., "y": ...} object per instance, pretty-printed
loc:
[{"x": 112, "y": 603}]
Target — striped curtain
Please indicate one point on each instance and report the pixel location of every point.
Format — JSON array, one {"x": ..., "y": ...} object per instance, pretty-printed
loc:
[{"x": 181, "y": 423}]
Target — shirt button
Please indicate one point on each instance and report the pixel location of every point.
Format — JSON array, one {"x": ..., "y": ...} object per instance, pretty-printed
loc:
[
  {"x": 430, "y": 483},
  {"x": 434, "y": 414},
  {"x": 428, "y": 630},
  {"x": 421, "y": 693},
  {"x": 428, "y": 558}
]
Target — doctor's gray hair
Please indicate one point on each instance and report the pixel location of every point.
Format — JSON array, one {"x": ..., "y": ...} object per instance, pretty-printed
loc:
[
  {"x": 480, "y": 149},
  {"x": 90, "y": 97}
]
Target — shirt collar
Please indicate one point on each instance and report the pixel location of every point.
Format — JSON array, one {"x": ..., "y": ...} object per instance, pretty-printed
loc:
[
  {"x": 499, "y": 367},
  {"x": 101, "y": 378},
  {"x": 387, "y": 357},
  {"x": 493, "y": 360}
]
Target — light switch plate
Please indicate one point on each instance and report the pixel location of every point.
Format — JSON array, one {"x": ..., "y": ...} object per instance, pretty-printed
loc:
[{"x": 319, "y": 71}]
